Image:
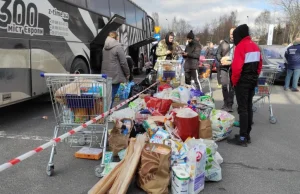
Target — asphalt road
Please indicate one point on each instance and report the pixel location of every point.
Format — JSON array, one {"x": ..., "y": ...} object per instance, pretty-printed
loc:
[{"x": 271, "y": 164}]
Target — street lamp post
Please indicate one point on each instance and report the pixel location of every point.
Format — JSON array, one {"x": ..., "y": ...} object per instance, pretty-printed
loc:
[
  {"x": 248, "y": 19},
  {"x": 168, "y": 25}
]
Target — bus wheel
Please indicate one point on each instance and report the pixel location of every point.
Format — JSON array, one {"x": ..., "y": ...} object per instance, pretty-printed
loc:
[{"x": 79, "y": 66}]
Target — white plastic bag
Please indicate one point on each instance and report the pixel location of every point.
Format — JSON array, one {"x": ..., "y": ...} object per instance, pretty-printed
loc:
[
  {"x": 165, "y": 94},
  {"x": 184, "y": 94},
  {"x": 175, "y": 95},
  {"x": 218, "y": 158},
  {"x": 123, "y": 113},
  {"x": 186, "y": 113},
  {"x": 137, "y": 104},
  {"x": 221, "y": 123},
  {"x": 213, "y": 171}
]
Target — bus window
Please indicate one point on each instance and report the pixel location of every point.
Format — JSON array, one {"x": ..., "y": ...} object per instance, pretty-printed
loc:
[
  {"x": 117, "y": 7},
  {"x": 139, "y": 18},
  {"x": 81, "y": 3},
  {"x": 99, "y": 6},
  {"x": 130, "y": 13}
]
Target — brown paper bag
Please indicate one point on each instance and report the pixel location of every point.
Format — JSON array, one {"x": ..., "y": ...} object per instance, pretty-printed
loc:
[
  {"x": 154, "y": 170},
  {"x": 205, "y": 130},
  {"x": 117, "y": 141}
]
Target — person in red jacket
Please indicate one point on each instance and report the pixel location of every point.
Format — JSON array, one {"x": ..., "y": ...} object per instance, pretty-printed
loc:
[{"x": 246, "y": 67}]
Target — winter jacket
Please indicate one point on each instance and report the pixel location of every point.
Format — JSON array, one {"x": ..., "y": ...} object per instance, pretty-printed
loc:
[
  {"x": 114, "y": 62},
  {"x": 247, "y": 61},
  {"x": 153, "y": 53},
  {"x": 131, "y": 64},
  {"x": 210, "y": 53},
  {"x": 193, "y": 50},
  {"x": 292, "y": 56},
  {"x": 224, "y": 51},
  {"x": 162, "y": 49}
]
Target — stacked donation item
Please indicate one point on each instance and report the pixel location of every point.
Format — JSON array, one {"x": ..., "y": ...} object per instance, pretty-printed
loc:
[{"x": 168, "y": 140}]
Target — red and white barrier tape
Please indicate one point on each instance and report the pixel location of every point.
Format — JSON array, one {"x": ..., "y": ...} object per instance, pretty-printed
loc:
[{"x": 71, "y": 132}]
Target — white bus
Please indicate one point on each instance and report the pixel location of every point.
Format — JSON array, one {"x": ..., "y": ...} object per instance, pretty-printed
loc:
[{"x": 58, "y": 36}]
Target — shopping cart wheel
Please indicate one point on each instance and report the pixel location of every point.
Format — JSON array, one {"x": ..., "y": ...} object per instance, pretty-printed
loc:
[
  {"x": 254, "y": 109},
  {"x": 82, "y": 141},
  {"x": 273, "y": 120},
  {"x": 50, "y": 170},
  {"x": 98, "y": 171}
]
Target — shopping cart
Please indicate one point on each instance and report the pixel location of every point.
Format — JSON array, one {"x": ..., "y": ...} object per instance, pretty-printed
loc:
[
  {"x": 205, "y": 70},
  {"x": 264, "y": 89},
  {"x": 76, "y": 99},
  {"x": 169, "y": 72}
]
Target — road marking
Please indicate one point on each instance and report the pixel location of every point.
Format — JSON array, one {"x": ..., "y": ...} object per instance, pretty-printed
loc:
[{"x": 23, "y": 137}]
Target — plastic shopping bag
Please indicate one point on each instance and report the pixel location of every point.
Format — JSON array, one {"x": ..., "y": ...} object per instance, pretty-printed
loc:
[
  {"x": 213, "y": 171},
  {"x": 123, "y": 113},
  {"x": 184, "y": 94},
  {"x": 161, "y": 105},
  {"x": 221, "y": 122},
  {"x": 175, "y": 95},
  {"x": 196, "y": 161}
]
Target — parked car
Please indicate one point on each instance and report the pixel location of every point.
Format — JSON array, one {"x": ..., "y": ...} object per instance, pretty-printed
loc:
[{"x": 273, "y": 57}]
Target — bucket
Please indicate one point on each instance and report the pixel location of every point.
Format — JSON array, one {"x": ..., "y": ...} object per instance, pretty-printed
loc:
[{"x": 187, "y": 127}]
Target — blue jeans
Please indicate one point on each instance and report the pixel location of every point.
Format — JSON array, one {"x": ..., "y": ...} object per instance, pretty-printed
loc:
[
  {"x": 115, "y": 88},
  {"x": 296, "y": 75}
]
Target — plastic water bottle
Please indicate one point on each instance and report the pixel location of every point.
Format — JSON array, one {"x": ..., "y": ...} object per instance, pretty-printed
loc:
[
  {"x": 193, "y": 84},
  {"x": 182, "y": 79}
]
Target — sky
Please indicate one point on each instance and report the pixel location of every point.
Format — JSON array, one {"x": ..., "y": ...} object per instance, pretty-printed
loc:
[{"x": 199, "y": 12}]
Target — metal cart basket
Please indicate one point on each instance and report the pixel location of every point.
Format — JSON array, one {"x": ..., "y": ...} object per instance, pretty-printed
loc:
[
  {"x": 76, "y": 99},
  {"x": 264, "y": 89}
]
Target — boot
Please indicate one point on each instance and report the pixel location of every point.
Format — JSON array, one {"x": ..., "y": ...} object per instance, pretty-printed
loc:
[
  {"x": 247, "y": 137},
  {"x": 239, "y": 140},
  {"x": 229, "y": 108}
]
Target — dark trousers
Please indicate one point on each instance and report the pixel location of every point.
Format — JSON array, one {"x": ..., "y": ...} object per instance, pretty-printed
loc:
[
  {"x": 244, "y": 97},
  {"x": 115, "y": 88},
  {"x": 192, "y": 74},
  {"x": 227, "y": 90},
  {"x": 218, "y": 73}
]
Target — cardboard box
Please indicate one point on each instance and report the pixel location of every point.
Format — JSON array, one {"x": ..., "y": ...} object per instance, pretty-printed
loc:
[{"x": 89, "y": 153}]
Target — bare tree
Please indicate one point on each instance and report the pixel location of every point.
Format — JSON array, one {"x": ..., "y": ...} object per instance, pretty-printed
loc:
[
  {"x": 262, "y": 23},
  {"x": 292, "y": 11}
]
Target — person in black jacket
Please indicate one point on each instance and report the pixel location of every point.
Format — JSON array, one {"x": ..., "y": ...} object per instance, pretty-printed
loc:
[
  {"x": 131, "y": 64},
  {"x": 192, "y": 55},
  {"x": 153, "y": 53},
  {"x": 225, "y": 56}
]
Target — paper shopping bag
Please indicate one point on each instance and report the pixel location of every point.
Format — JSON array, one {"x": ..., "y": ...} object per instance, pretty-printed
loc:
[
  {"x": 154, "y": 170},
  {"x": 205, "y": 130},
  {"x": 118, "y": 141}
]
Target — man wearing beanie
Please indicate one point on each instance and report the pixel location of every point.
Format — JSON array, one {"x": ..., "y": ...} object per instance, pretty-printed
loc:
[
  {"x": 192, "y": 55},
  {"x": 246, "y": 67}
]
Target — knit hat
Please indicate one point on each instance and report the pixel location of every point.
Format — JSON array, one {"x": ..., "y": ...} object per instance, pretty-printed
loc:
[{"x": 190, "y": 35}]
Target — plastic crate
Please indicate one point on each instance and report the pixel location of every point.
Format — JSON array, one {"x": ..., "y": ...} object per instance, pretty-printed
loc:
[
  {"x": 82, "y": 101},
  {"x": 262, "y": 80}
]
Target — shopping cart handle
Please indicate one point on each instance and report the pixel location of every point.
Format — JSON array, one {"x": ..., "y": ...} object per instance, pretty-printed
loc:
[{"x": 42, "y": 74}]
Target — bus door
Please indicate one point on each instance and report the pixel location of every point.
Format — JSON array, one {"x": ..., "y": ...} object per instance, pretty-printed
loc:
[
  {"x": 97, "y": 44},
  {"x": 134, "y": 51}
]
